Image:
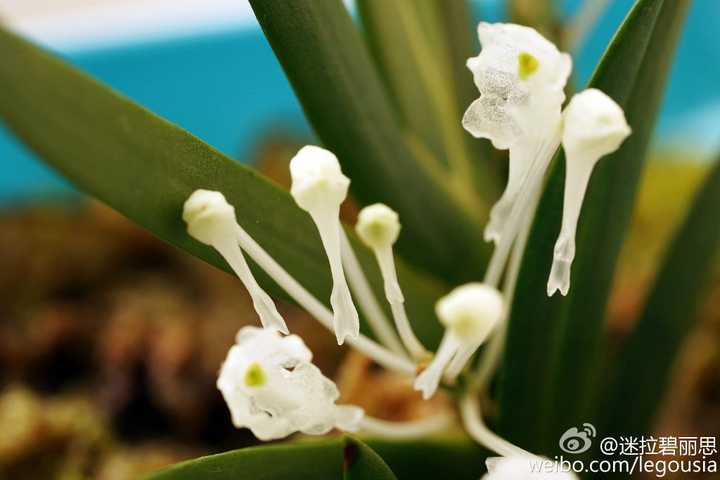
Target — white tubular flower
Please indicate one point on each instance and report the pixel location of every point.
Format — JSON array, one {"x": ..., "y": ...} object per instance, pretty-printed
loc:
[
  {"x": 521, "y": 77},
  {"x": 271, "y": 388},
  {"x": 522, "y": 467},
  {"x": 469, "y": 313},
  {"x": 319, "y": 187},
  {"x": 594, "y": 127},
  {"x": 378, "y": 226},
  {"x": 211, "y": 220}
]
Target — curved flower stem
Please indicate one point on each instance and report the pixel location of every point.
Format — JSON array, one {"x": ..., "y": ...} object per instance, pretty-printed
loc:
[
  {"x": 491, "y": 355},
  {"x": 532, "y": 180},
  {"x": 405, "y": 430},
  {"x": 473, "y": 422},
  {"x": 305, "y": 299},
  {"x": 395, "y": 298},
  {"x": 374, "y": 314}
]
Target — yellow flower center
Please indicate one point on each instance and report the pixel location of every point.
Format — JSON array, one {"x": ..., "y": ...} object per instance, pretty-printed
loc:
[
  {"x": 527, "y": 65},
  {"x": 255, "y": 376}
]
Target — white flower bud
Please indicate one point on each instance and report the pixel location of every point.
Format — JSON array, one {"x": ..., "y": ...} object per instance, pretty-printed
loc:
[
  {"x": 271, "y": 388},
  {"x": 317, "y": 180},
  {"x": 522, "y": 467},
  {"x": 594, "y": 126},
  {"x": 211, "y": 220},
  {"x": 319, "y": 187},
  {"x": 209, "y": 217},
  {"x": 378, "y": 226},
  {"x": 469, "y": 313}
]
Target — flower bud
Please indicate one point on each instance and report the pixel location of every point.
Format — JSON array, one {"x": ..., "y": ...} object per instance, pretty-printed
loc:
[
  {"x": 471, "y": 311},
  {"x": 594, "y": 127},
  {"x": 317, "y": 180},
  {"x": 378, "y": 226},
  {"x": 211, "y": 220},
  {"x": 209, "y": 217},
  {"x": 319, "y": 187}
]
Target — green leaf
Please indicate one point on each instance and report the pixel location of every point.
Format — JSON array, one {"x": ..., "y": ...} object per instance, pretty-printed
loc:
[
  {"x": 362, "y": 463},
  {"x": 553, "y": 344},
  {"x": 330, "y": 69},
  {"x": 644, "y": 365},
  {"x": 421, "y": 73},
  {"x": 145, "y": 168},
  {"x": 456, "y": 458},
  {"x": 327, "y": 459}
]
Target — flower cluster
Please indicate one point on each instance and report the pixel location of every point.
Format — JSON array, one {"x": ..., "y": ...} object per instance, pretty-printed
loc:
[
  {"x": 521, "y": 77},
  {"x": 268, "y": 379}
]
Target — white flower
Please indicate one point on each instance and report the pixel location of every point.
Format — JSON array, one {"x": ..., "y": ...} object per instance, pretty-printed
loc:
[
  {"x": 319, "y": 187},
  {"x": 378, "y": 226},
  {"x": 594, "y": 127},
  {"x": 521, "y": 77},
  {"x": 517, "y": 71},
  {"x": 211, "y": 220},
  {"x": 469, "y": 313},
  {"x": 271, "y": 388},
  {"x": 524, "y": 467}
]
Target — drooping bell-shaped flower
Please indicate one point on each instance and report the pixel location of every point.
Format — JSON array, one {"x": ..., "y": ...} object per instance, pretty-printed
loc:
[
  {"x": 594, "y": 126},
  {"x": 521, "y": 77},
  {"x": 522, "y": 467},
  {"x": 272, "y": 388},
  {"x": 469, "y": 313},
  {"x": 319, "y": 187},
  {"x": 211, "y": 220},
  {"x": 378, "y": 226}
]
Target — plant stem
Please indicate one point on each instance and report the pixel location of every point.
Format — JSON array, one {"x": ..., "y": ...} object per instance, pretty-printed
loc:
[
  {"x": 405, "y": 430},
  {"x": 305, "y": 299},
  {"x": 473, "y": 422},
  {"x": 369, "y": 305}
]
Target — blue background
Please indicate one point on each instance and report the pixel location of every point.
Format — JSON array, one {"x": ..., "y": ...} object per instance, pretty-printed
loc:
[{"x": 226, "y": 88}]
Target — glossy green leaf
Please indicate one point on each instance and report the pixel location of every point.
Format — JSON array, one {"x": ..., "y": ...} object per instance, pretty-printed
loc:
[
  {"x": 335, "y": 458},
  {"x": 331, "y": 71},
  {"x": 456, "y": 458},
  {"x": 145, "y": 168},
  {"x": 553, "y": 345},
  {"x": 362, "y": 463},
  {"x": 643, "y": 367}
]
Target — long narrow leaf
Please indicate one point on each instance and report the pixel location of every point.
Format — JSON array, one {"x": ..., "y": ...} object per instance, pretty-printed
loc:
[
  {"x": 318, "y": 460},
  {"x": 553, "y": 344},
  {"x": 145, "y": 168},
  {"x": 330, "y": 69},
  {"x": 424, "y": 69},
  {"x": 642, "y": 369},
  {"x": 329, "y": 459},
  {"x": 456, "y": 458}
]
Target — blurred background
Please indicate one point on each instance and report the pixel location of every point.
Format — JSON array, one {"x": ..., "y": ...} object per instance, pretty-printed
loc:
[{"x": 110, "y": 341}]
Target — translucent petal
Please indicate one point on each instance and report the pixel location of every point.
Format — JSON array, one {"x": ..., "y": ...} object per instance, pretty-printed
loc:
[{"x": 293, "y": 396}]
